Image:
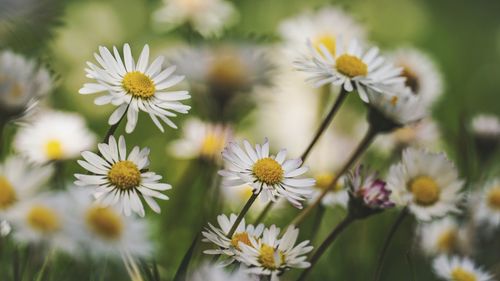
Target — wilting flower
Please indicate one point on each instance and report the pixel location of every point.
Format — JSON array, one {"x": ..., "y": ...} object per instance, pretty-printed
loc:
[
  {"x": 270, "y": 176},
  {"x": 200, "y": 139},
  {"x": 488, "y": 208},
  {"x": 135, "y": 87},
  {"x": 20, "y": 180},
  {"x": 217, "y": 273},
  {"x": 422, "y": 75},
  {"x": 229, "y": 246},
  {"x": 208, "y": 17},
  {"x": 426, "y": 182},
  {"x": 350, "y": 67},
  {"x": 440, "y": 237},
  {"x": 22, "y": 83},
  {"x": 54, "y": 135},
  {"x": 121, "y": 180},
  {"x": 272, "y": 255},
  {"x": 459, "y": 269}
]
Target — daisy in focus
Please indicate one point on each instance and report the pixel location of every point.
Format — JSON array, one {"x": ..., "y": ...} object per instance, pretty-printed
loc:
[
  {"x": 487, "y": 210},
  {"x": 459, "y": 269},
  {"x": 440, "y": 237},
  {"x": 120, "y": 180},
  {"x": 52, "y": 136},
  {"x": 350, "y": 67},
  {"x": 135, "y": 87},
  {"x": 270, "y": 176},
  {"x": 426, "y": 182},
  {"x": 22, "y": 84},
  {"x": 229, "y": 246},
  {"x": 215, "y": 272},
  {"x": 208, "y": 17},
  {"x": 272, "y": 255},
  {"x": 201, "y": 140}
]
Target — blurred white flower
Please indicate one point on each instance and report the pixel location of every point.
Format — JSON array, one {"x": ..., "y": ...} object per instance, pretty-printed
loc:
[
  {"x": 208, "y": 17},
  {"x": 459, "y": 269},
  {"x": 426, "y": 182},
  {"x": 215, "y": 272},
  {"x": 486, "y": 125},
  {"x": 135, "y": 87},
  {"x": 22, "y": 83},
  {"x": 442, "y": 236},
  {"x": 121, "y": 180},
  {"x": 486, "y": 207},
  {"x": 53, "y": 135}
]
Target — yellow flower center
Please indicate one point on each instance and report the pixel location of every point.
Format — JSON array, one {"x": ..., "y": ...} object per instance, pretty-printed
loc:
[
  {"x": 405, "y": 134},
  {"x": 324, "y": 180},
  {"x": 351, "y": 66},
  {"x": 425, "y": 190},
  {"x": 326, "y": 40},
  {"x": 447, "y": 240},
  {"x": 43, "y": 219},
  {"x": 460, "y": 274},
  {"x": 412, "y": 81},
  {"x": 104, "y": 222},
  {"x": 268, "y": 171},
  {"x": 7, "y": 193},
  {"x": 124, "y": 175},
  {"x": 494, "y": 198},
  {"x": 54, "y": 150},
  {"x": 227, "y": 71},
  {"x": 267, "y": 257},
  {"x": 212, "y": 145},
  {"x": 240, "y": 237},
  {"x": 138, "y": 85}
]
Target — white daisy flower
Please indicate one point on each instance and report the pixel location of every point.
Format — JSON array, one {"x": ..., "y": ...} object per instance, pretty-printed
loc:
[
  {"x": 459, "y": 269},
  {"x": 270, "y": 176},
  {"x": 20, "y": 180},
  {"x": 426, "y": 182},
  {"x": 440, "y": 237},
  {"x": 208, "y": 17},
  {"x": 5, "y": 228},
  {"x": 350, "y": 67},
  {"x": 215, "y": 272},
  {"x": 54, "y": 135},
  {"x": 422, "y": 75},
  {"x": 44, "y": 220},
  {"x": 488, "y": 208},
  {"x": 135, "y": 87},
  {"x": 104, "y": 231},
  {"x": 322, "y": 27},
  {"x": 229, "y": 246},
  {"x": 200, "y": 139},
  {"x": 486, "y": 125},
  {"x": 122, "y": 180},
  {"x": 271, "y": 255},
  {"x": 22, "y": 83}
]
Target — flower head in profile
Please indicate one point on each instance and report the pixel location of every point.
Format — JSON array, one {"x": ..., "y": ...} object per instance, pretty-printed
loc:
[
  {"x": 442, "y": 236},
  {"x": 122, "y": 180},
  {"x": 486, "y": 132},
  {"x": 487, "y": 210},
  {"x": 54, "y": 135},
  {"x": 22, "y": 84},
  {"x": 426, "y": 182},
  {"x": 272, "y": 255},
  {"x": 350, "y": 67},
  {"x": 459, "y": 269},
  {"x": 135, "y": 87},
  {"x": 208, "y": 17},
  {"x": 271, "y": 177},
  {"x": 229, "y": 246}
]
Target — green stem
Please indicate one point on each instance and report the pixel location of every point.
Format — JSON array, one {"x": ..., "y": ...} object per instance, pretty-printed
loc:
[
  {"x": 242, "y": 214},
  {"x": 45, "y": 264},
  {"x": 317, "y": 222},
  {"x": 326, "y": 243},
  {"x": 387, "y": 242},
  {"x": 58, "y": 178},
  {"x": 264, "y": 212}
]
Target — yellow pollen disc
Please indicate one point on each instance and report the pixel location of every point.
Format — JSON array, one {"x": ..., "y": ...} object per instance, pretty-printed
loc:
[
  {"x": 351, "y": 66},
  {"x": 104, "y": 222},
  {"x": 494, "y": 198},
  {"x": 459, "y": 274},
  {"x": 326, "y": 40},
  {"x": 43, "y": 219},
  {"x": 240, "y": 237},
  {"x": 266, "y": 257},
  {"x": 394, "y": 101},
  {"x": 268, "y": 171},
  {"x": 138, "y": 85},
  {"x": 7, "y": 194},
  {"x": 227, "y": 71},
  {"x": 447, "y": 240},
  {"x": 124, "y": 175},
  {"x": 324, "y": 180},
  {"x": 54, "y": 150},
  {"x": 212, "y": 145},
  {"x": 412, "y": 81},
  {"x": 405, "y": 134},
  {"x": 425, "y": 190}
]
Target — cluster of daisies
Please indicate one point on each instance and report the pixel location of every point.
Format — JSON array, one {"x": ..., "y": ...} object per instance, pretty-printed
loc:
[{"x": 101, "y": 212}]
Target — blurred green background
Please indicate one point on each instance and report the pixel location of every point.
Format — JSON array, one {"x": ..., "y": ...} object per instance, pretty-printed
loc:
[{"x": 462, "y": 36}]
